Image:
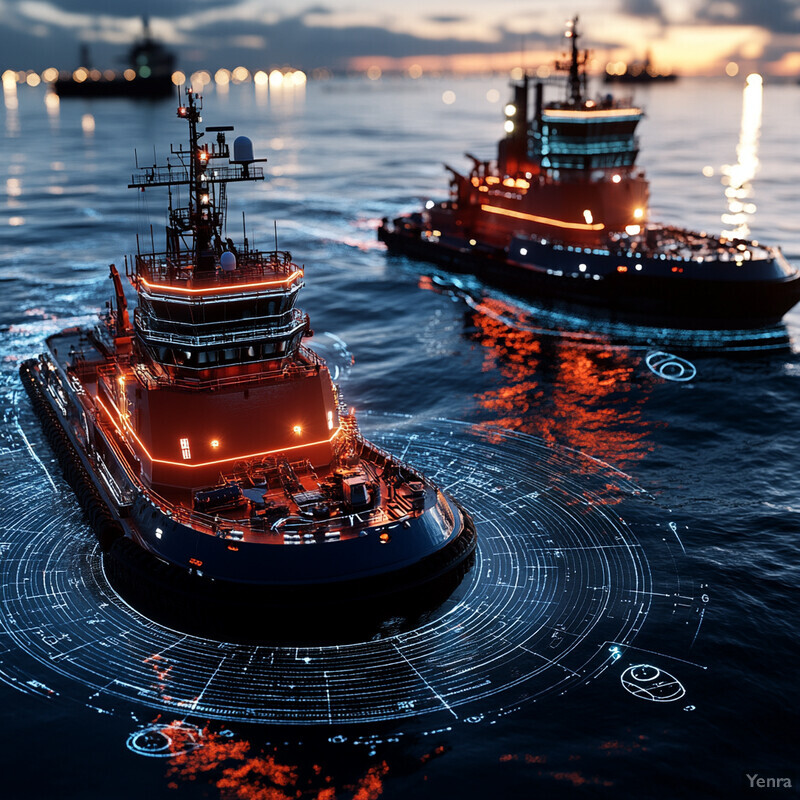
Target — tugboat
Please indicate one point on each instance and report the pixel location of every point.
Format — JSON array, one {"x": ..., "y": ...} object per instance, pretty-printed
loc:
[
  {"x": 562, "y": 214},
  {"x": 208, "y": 445},
  {"x": 148, "y": 74}
]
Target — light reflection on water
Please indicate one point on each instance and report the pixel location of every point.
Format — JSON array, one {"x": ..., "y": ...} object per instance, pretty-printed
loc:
[
  {"x": 344, "y": 153},
  {"x": 739, "y": 176}
]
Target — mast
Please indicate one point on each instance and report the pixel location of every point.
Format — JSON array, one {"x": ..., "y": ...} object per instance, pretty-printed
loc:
[
  {"x": 209, "y": 308},
  {"x": 576, "y": 65},
  {"x": 194, "y": 231}
]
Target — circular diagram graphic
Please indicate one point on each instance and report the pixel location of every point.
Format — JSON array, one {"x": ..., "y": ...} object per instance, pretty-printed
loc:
[
  {"x": 651, "y": 683},
  {"x": 670, "y": 367},
  {"x": 560, "y": 585},
  {"x": 165, "y": 741}
]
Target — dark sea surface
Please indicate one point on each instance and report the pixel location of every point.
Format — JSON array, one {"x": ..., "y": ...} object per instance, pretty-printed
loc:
[{"x": 700, "y": 478}]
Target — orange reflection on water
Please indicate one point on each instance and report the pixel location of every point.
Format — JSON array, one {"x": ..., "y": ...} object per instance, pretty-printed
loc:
[
  {"x": 161, "y": 671},
  {"x": 240, "y": 773},
  {"x": 562, "y": 391},
  {"x": 370, "y": 787},
  {"x": 573, "y": 777}
]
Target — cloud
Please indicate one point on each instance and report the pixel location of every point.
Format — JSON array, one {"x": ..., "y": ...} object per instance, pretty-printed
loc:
[
  {"x": 262, "y": 33},
  {"x": 649, "y": 9},
  {"x": 120, "y": 8},
  {"x": 213, "y": 35},
  {"x": 779, "y": 16}
]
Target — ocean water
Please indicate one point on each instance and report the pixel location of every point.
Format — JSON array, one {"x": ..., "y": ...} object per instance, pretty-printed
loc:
[{"x": 636, "y": 531}]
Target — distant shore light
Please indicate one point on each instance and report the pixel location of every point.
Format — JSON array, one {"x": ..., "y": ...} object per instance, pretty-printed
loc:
[
  {"x": 448, "y": 97},
  {"x": 240, "y": 74},
  {"x": 178, "y": 78},
  {"x": 200, "y": 79}
]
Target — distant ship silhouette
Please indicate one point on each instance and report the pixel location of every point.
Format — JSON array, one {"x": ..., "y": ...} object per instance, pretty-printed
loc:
[
  {"x": 148, "y": 73},
  {"x": 638, "y": 72}
]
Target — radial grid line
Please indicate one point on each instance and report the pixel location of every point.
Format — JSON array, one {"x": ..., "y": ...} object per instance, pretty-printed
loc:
[
  {"x": 656, "y": 653},
  {"x": 199, "y": 697},
  {"x": 422, "y": 678},
  {"x": 34, "y": 456}
]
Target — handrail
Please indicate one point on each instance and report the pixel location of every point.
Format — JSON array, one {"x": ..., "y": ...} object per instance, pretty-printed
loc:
[
  {"x": 291, "y": 368},
  {"x": 179, "y": 174},
  {"x": 298, "y": 321},
  {"x": 178, "y": 269}
]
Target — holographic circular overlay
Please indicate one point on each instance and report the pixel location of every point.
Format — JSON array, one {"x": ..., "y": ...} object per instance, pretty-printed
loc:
[
  {"x": 165, "y": 741},
  {"x": 560, "y": 585},
  {"x": 670, "y": 367},
  {"x": 651, "y": 683}
]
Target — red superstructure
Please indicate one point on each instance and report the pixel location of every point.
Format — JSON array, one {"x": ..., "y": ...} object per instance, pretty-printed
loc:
[
  {"x": 218, "y": 374},
  {"x": 208, "y": 434},
  {"x": 566, "y": 171},
  {"x": 562, "y": 214}
]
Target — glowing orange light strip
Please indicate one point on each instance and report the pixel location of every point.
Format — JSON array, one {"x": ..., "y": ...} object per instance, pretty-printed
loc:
[
  {"x": 558, "y": 223},
  {"x": 602, "y": 112},
  {"x": 205, "y": 463},
  {"x": 183, "y": 290}
]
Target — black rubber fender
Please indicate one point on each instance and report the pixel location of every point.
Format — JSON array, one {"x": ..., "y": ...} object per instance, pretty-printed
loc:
[{"x": 105, "y": 527}]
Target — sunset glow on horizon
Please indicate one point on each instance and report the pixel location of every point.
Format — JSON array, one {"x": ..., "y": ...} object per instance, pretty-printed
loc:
[{"x": 690, "y": 37}]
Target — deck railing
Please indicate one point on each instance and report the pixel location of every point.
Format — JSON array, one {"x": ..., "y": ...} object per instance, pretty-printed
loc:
[
  {"x": 178, "y": 269},
  {"x": 308, "y": 362}
]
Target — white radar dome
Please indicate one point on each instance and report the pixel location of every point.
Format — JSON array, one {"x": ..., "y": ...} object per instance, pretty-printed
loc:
[
  {"x": 227, "y": 261},
  {"x": 242, "y": 149}
]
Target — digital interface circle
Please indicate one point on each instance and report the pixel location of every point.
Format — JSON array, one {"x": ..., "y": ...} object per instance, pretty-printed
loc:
[
  {"x": 651, "y": 683},
  {"x": 165, "y": 741},
  {"x": 560, "y": 584},
  {"x": 670, "y": 367}
]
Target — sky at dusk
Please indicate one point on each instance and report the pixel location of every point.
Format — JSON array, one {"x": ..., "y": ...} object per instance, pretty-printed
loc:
[{"x": 690, "y": 36}]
